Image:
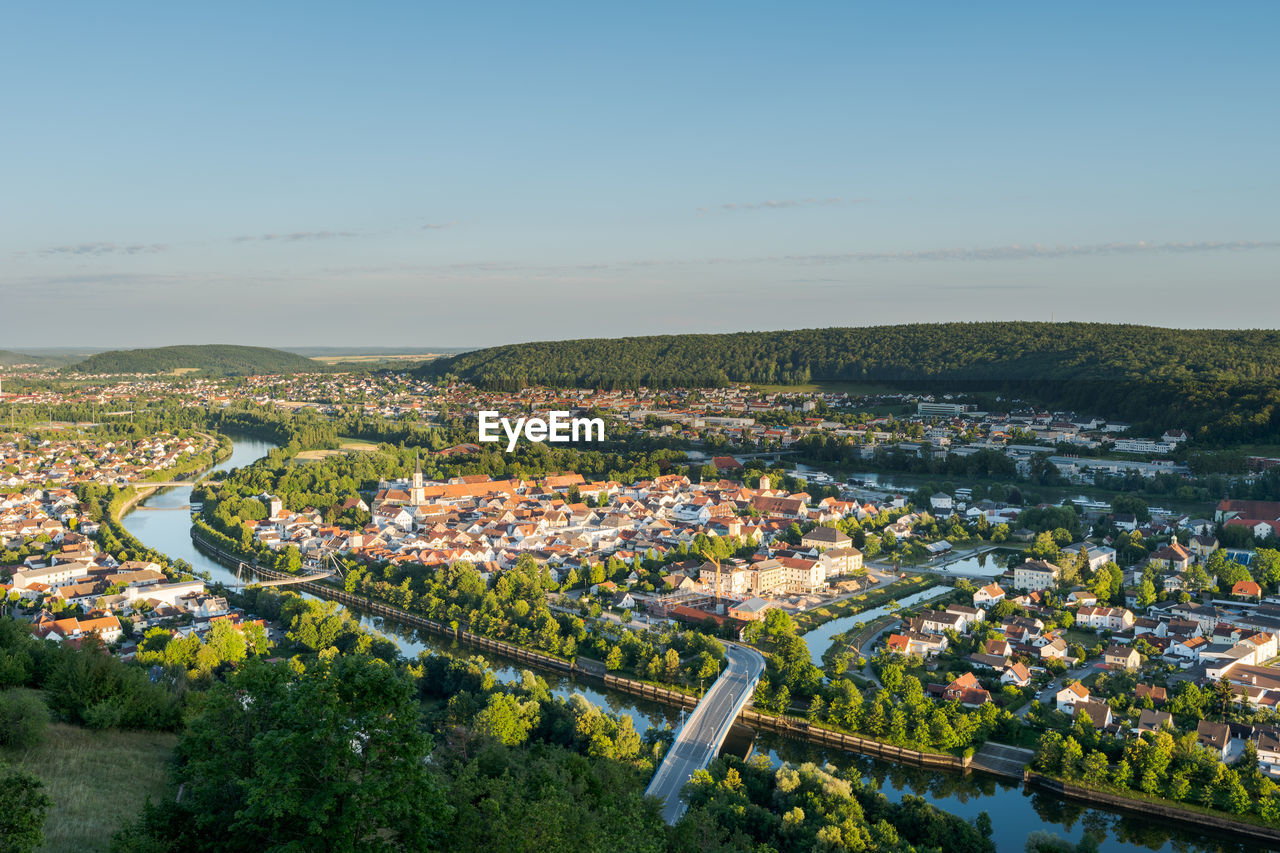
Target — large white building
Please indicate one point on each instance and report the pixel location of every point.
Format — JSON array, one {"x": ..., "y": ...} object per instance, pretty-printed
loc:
[
  {"x": 1035, "y": 575},
  {"x": 1142, "y": 445}
]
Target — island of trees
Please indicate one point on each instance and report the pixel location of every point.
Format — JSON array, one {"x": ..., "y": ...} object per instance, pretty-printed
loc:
[{"x": 212, "y": 359}]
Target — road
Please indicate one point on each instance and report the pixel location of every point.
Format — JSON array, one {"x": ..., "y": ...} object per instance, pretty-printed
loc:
[
  {"x": 1046, "y": 696},
  {"x": 699, "y": 739}
]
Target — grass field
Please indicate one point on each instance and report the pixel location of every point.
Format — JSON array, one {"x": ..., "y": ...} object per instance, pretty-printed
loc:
[
  {"x": 375, "y": 359},
  {"x": 97, "y": 780},
  {"x": 348, "y": 445},
  {"x": 827, "y": 388}
]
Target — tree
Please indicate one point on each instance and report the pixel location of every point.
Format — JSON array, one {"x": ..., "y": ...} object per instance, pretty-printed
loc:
[
  {"x": 1045, "y": 548},
  {"x": 1131, "y": 505},
  {"x": 23, "y": 720},
  {"x": 671, "y": 665},
  {"x": 1223, "y": 694},
  {"x": 504, "y": 720},
  {"x": 1146, "y": 593},
  {"x": 1096, "y": 768},
  {"x": 614, "y": 659},
  {"x": 23, "y": 808},
  {"x": 273, "y": 760}
]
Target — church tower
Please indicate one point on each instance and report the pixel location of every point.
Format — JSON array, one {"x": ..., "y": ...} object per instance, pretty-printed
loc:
[
  {"x": 765, "y": 482},
  {"x": 417, "y": 494}
]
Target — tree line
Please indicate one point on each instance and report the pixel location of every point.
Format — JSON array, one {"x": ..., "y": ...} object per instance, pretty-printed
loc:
[{"x": 1222, "y": 383}]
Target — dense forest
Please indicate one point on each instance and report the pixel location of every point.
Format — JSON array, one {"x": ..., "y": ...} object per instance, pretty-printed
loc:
[
  {"x": 213, "y": 359},
  {"x": 1223, "y": 382}
]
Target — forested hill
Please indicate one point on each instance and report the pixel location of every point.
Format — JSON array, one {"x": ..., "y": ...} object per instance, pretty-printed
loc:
[
  {"x": 9, "y": 358},
  {"x": 1220, "y": 384},
  {"x": 216, "y": 359},
  {"x": 983, "y": 352}
]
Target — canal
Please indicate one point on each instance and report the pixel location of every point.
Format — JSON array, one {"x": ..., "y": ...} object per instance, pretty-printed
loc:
[{"x": 1015, "y": 812}]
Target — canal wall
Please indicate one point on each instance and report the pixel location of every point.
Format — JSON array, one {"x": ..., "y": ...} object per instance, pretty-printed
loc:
[
  {"x": 798, "y": 729},
  {"x": 1201, "y": 820}
]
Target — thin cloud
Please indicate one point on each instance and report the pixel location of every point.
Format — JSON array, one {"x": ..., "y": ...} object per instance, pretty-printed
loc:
[
  {"x": 1019, "y": 252},
  {"x": 296, "y": 236},
  {"x": 1012, "y": 252},
  {"x": 781, "y": 205},
  {"x": 97, "y": 249},
  {"x": 436, "y": 226}
]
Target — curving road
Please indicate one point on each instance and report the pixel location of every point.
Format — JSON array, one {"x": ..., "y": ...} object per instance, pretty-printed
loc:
[{"x": 699, "y": 739}]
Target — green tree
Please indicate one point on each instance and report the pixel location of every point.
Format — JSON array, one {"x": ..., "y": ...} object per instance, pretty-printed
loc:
[
  {"x": 332, "y": 759},
  {"x": 504, "y": 719},
  {"x": 23, "y": 720},
  {"x": 1146, "y": 593},
  {"x": 23, "y": 809}
]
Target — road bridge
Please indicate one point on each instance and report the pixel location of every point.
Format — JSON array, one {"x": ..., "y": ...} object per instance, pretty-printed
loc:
[{"x": 700, "y": 737}]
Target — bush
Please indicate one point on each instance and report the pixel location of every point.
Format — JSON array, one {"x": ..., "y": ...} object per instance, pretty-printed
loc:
[{"x": 23, "y": 720}]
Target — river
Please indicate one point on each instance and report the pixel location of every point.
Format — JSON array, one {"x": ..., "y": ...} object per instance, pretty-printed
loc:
[
  {"x": 819, "y": 639},
  {"x": 162, "y": 524}
]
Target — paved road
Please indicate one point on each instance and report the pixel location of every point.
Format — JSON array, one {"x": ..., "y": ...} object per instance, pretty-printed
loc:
[
  {"x": 1046, "y": 696},
  {"x": 700, "y": 737}
]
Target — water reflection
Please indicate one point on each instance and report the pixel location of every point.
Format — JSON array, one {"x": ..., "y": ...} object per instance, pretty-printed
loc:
[{"x": 1015, "y": 811}]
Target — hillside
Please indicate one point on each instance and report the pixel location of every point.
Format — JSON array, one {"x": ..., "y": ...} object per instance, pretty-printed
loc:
[
  {"x": 1217, "y": 377},
  {"x": 216, "y": 359},
  {"x": 953, "y": 351},
  {"x": 9, "y": 358}
]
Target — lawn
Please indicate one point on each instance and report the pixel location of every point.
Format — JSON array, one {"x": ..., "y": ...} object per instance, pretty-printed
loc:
[
  {"x": 348, "y": 445},
  {"x": 97, "y": 780}
]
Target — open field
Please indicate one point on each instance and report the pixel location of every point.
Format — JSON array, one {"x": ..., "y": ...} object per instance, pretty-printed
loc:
[
  {"x": 367, "y": 359},
  {"x": 349, "y": 445},
  {"x": 827, "y": 388},
  {"x": 97, "y": 780}
]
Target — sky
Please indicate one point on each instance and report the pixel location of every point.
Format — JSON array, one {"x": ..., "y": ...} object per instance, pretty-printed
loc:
[{"x": 428, "y": 174}]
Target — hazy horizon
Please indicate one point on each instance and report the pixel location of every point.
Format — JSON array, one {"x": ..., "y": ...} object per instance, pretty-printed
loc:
[{"x": 294, "y": 174}]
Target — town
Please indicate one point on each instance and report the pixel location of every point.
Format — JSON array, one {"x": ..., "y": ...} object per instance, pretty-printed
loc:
[{"x": 1086, "y": 626}]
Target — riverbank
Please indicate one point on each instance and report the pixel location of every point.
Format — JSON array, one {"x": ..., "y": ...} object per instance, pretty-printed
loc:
[
  {"x": 1134, "y": 801},
  {"x": 139, "y": 491}
]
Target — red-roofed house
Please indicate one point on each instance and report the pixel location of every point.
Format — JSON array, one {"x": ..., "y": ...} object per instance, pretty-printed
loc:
[{"x": 1246, "y": 589}]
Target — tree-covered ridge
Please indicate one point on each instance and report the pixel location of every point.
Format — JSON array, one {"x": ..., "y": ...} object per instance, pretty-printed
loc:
[
  {"x": 998, "y": 351},
  {"x": 218, "y": 359},
  {"x": 8, "y": 358}
]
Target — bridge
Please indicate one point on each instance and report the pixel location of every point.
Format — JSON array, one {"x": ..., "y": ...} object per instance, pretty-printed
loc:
[
  {"x": 147, "y": 484},
  {"x": 315, "y": 575},
  {"x": 762, "y": 454},
  {"x": 700, "y": 736}
]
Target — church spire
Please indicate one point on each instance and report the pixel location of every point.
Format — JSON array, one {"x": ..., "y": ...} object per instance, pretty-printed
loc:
[{"x": 417, "y": 494}]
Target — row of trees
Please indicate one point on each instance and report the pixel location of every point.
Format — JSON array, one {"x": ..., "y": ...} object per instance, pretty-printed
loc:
[{"x": 1164, "y": 765}]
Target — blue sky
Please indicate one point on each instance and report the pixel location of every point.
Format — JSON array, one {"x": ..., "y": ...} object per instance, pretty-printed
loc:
[{"x": 474, "y": 173}]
